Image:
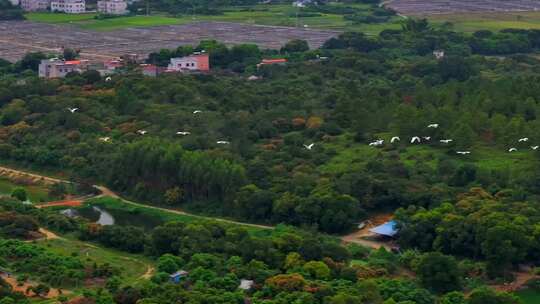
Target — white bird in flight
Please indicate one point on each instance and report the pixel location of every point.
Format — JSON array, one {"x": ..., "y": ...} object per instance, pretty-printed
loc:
[
  {"x": 378, "y": 142},
  {"x": 394, "y": 139},
  {"x": 310, "y": 146},
  {"x": 73, "y": 110},
  {"x": 535, "y": 147},
  {"x": 183, "y": 133},
  {"x": 105, "y": 139},
  {"x": 142, "y": 132},
  {"x": 222, "y": 142},
  {"x": 197, "y": 111},
  {"x": 463, "y": 152},
  {"x": 415, "y": 139},
  {"x": 524, "y": 139},
  {"x": 435, "y": 126},
  {"x": 512, "y": 150},
  {"x": 428, "y": 138},
  {"x": 446, "y": 141},
  {"x": 108, "y": 79}
]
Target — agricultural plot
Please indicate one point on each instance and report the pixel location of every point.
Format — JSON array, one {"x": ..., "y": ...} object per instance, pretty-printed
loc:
[
  {"x": 470, "y": 16},
  {"x": 422, "y": 7},
  {"x": 18, "y": 38}
]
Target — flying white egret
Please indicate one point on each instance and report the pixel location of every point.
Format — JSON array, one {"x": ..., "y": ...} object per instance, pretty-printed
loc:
[
  {"x": 434, "y": 126},
  {"x": 428, "y": 138},
  {"x": 378, "y": 142},
  {"x": 222, "y": 142},
  {"x": 183, "y": 133},
  {"x": 394, "y": 139},
  {"x": 142, "y": 132},
  {"x": 197, "y": 111},
  {"x": 512, "y": 150},
  {"x": 535, "y": 147},
  {"x": 524, "y": 139},
  {"x": 73, "y": 110},
  {"x": 463, "y": 152},
  {"x": 446, "y": 141},
  {"x": 310, "y": 146},
  {"x": 415, "y": 139},
  {"x": 105, "y": 139},
  {"x": 108, "y": 79}
]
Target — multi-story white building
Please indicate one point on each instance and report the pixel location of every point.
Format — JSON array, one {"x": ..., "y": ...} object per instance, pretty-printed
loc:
[
  {"x": 68, "y": 6},
  {"x": 112, "y": 7},
  {"x": 34, "y": 5},
  {"x": 195, "y": 62},
  {"x": 56, "y": 68}
]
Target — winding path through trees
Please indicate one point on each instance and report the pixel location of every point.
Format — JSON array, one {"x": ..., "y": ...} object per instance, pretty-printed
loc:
[{"x": 108, "y": 192}]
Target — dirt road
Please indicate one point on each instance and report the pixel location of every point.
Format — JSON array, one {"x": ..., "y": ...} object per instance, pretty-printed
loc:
[
  {"x": 22, "y": 288},
  {"x": 108, "y": 192},
  {"x": 5, "y": 171},
  {"x": 13, "y": 173}
]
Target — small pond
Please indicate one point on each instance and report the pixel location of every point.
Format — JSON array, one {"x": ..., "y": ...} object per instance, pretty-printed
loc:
[{"x": 105, "y": 216}]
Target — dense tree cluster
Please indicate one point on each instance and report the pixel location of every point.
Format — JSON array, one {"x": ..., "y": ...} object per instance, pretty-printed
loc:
[
  {"x": 10, "y": 12},
  {"x": 298, "y": 154},
  {"x": 499, "y": 228},
  {"x": 364, "y": 88}
]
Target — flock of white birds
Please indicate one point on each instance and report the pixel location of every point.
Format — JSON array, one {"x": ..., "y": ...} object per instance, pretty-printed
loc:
[
  {"x": 144, "y": 132},
  {"x": 376, "y": 143},
  {"x": 418, "y": 139}
]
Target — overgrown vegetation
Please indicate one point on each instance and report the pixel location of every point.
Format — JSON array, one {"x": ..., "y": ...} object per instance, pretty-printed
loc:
[
  {"x": 10, "y": 12},
  {"x": 293, "y": 146}
]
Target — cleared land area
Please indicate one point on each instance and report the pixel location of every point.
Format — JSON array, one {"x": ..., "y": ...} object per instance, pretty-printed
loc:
[{"x": 20, "y": 37}]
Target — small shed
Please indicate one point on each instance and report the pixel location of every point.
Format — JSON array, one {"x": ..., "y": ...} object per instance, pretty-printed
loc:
[
  {"x": 70, "y": 213},
  {"x": 178, "y": 276},
  {"x": 387, "y": 229},
  {"x": 246, "y": 284}
]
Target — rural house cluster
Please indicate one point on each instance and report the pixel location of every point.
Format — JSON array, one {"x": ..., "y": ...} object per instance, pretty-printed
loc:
[{"x": 109, "y": 7}]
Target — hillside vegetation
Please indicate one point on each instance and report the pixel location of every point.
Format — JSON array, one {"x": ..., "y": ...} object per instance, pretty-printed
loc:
[{"x": 307, "y": 144}]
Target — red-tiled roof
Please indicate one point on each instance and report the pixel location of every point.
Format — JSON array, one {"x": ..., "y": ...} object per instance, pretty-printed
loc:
[{"x": 271, "y": 61}]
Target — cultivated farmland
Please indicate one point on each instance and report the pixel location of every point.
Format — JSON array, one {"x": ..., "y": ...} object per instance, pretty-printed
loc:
[{"x": 18, "y": 38}]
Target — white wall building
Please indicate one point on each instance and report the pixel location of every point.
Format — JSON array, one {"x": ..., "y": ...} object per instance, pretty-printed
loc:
[
  {"x": 34, "y": 5},
  {"x": 112, "y": 7},
  {"x": 56, "y": 68},
  {"x": 195, "y": 62},
  {"x": 68, "y": 6}
]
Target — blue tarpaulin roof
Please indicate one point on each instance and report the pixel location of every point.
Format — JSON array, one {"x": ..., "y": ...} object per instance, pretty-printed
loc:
[{"x": 388, "y": 229}]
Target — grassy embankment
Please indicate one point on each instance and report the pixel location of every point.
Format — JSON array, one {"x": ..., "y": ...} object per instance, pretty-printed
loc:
[
  {"x": 529, "y": 296},
  {"x": 277, "y": 15},
  {"x": 285, "y": 15},
  {"x": 132, "y": 266},
  {"x": 35, "y": 193},
  {"x": 157, "y": 215}
]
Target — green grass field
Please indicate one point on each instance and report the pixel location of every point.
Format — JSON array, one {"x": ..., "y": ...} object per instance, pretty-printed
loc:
[
  {"x": 132, "y": 267},
  {"x": 277, "y": 15},
  {"x": 489, "y": 21},
  {"x": 529, "y": 296},
  {"x": 35, "y": 193}
]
